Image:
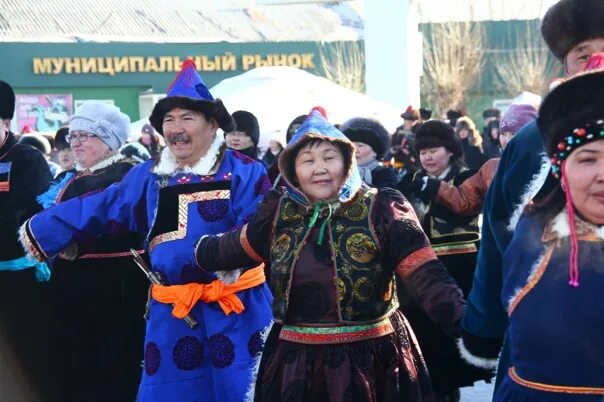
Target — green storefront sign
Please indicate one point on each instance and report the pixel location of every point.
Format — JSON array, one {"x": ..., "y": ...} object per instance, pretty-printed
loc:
[{"x": 120, "y": 71}]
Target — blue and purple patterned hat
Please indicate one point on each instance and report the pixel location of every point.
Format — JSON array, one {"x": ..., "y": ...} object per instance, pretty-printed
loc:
[{"x": 188, "y": 91}]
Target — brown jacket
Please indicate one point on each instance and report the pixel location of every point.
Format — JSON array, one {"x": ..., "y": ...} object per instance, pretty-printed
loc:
[{"x": 468, "y": 197}]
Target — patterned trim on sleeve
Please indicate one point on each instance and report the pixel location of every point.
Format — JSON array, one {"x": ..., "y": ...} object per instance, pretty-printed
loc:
[
  {"x": 29, "y": 243},
  {"x": 415, "y": 260},
  {"x": 247, "y": 247}
]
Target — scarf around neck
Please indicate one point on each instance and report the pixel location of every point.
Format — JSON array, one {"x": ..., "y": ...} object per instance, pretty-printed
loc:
[{"x": 365, "y": 170}]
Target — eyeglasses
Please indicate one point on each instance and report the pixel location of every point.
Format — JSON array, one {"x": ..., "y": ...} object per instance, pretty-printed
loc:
[
  {"x": 81, "y": 137},
  {"x": 239, "y": 134}
]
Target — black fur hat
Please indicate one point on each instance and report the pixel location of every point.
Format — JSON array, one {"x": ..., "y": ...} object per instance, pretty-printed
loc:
[
  {"x": 248, "y": 123},
  {"x": 369, "y": 132},
  {"x": 570, "y": 22},
  {"x": 61, "y": 138},
  {"x": 425, "y": 114},
  {"x": 293, "y": 126},
  {"x": 491, "y": 112},
  {"x": 436, "y": 133},
  {"x": 453, "y": 115},
  {"x": 37, "y": 141},
  {"x": 571, "y": 105},
  {"x": 7, "y": 101}
]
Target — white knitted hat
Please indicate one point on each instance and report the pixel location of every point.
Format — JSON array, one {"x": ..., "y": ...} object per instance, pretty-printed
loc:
[{"x": 105, "y": 121}]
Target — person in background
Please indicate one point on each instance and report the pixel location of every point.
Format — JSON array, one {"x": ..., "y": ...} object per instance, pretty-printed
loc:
[
  {"x": 424, "y": 115},
  {"x": 452, "y": 116},
  {"x": 455, "y": 240},
  {"x": 24, "y": 173},
  {"x": 245, "y": 137},
  {"x": 516, "y": 117},
  {"x": 572, "y": 29},
  {"x": 275, "y": 146},
  {"x": 63, "y": 153},
  {"x": 401, "y": 153},
  {"x": 150, "y": 140},
  {"x": 471, "y": 142},
  {"x": 490, "y": 133},
  {"x": 96, "y": 294},
  {"x": 370, "y": 141},
  {"x": 334, "y": 247},
  {"x": 39, "y": 142},
  {"x": 293, "y": 127},
  {"x": 468, "y": 197}
]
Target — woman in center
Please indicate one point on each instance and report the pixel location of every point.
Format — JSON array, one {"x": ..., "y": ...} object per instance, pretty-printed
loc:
[{"x": 333, "y": 248}]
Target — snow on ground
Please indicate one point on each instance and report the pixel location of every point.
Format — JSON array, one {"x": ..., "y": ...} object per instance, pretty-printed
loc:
[{"x": 480, "y": 392}]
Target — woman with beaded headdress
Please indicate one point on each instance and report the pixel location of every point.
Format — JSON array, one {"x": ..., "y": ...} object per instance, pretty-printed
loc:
[{"x": 553, "y": 271}]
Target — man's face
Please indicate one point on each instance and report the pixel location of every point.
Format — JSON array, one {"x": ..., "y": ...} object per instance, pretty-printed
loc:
[
  {"x": 575, "y": 60},
  {"x": 188, "y": 134}
]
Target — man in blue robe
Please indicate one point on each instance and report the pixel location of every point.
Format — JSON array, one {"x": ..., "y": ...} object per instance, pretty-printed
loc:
[{"x": 194, "y": 188}]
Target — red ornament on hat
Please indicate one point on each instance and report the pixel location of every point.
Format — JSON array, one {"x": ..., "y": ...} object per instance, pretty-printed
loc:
[
  {"x": 319, "y": 109},
  {"x": 595, "y": 62}
]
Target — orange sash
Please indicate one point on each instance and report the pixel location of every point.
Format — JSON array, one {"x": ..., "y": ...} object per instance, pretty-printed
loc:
[{"x": 184, "y": 297}]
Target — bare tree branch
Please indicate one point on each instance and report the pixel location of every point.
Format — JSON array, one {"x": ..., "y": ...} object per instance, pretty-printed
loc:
[
  {"x": 344, "y": 64},
  {"x": 527, "y": 66},
  {"x": 453, "y": 62}
]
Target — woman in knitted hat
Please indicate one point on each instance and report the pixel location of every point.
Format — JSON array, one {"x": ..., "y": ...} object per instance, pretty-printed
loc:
[
  {"x": 455, "y": 239},
  {"x": 334, "y": 247},
  {"x": 245, "y": 137},
  {"x": 552, "y": 270},
  {"x": 370, "y": 140},
  {"x": 96, "y": 292}
]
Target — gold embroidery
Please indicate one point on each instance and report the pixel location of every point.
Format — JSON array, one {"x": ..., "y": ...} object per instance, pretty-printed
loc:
[
  {"x": 357, "y": 212},
  {"x": 290, "y": 212},
  {"x": 280, "y": 247},
  {"x": 363, "y": 289},
  {"x": 361, "y": 248},
  {"x": 183, "y": 214},
  {"x": 341, "y": 289}
]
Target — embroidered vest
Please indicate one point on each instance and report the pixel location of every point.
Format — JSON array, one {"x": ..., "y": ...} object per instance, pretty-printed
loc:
[
  {"x": 451, "y": 233},
  {"x": 364, "y": 285}
]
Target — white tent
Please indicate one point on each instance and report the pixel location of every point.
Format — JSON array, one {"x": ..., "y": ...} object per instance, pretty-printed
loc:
[{"x": 276, "y": 95}]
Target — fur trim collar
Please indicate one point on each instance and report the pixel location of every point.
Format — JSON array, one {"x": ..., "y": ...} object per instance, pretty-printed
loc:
[
  {"x": 530, "y": 191},
  {"x": 168, "y": 166},
  {"x": 108, "y": 160},
  {"x": 559, "y": 228}
]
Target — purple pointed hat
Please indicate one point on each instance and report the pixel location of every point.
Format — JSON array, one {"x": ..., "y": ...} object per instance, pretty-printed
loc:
[{"x": 188, "y": 91}]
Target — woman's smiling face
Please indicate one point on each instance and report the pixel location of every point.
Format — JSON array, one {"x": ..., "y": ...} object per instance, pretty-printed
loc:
[{"x": 319, "y": 168}]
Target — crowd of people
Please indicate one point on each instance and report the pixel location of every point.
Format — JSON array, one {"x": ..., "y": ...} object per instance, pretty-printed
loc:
[{"x": 345, "y": 263}]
